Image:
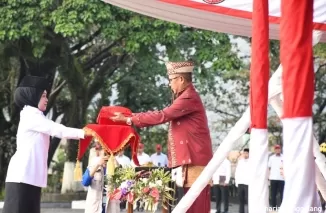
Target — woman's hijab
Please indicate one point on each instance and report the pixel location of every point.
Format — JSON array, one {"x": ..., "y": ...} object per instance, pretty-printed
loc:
[
  {"x": 27, "y": 96},
  {"x": 29, "y": 91}
]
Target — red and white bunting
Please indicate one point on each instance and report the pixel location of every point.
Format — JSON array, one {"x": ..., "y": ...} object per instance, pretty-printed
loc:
[{"x": 228, "y": 16}]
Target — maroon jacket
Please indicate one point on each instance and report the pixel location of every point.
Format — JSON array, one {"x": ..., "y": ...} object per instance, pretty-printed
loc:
[{"x": 189, "y": 139}]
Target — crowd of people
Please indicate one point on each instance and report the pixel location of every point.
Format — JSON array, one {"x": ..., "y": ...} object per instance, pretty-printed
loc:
[{"x": 222, "y": 180}]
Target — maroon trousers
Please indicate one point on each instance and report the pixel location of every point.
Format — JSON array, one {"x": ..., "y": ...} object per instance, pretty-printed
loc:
[{"x": 203, "y": 202}]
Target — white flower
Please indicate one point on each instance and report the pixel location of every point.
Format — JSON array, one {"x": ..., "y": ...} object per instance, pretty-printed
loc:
[
  {"x": 124, "y": 185},
  {"x": 159, "y": 182},
  {"x": 144, "y": 180},
  {"x": 151, "y": 185}
]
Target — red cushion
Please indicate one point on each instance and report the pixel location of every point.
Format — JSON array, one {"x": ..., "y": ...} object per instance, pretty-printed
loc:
[
  {"x": 108, "y": 111},
  {"x": 112, "y": 138}
]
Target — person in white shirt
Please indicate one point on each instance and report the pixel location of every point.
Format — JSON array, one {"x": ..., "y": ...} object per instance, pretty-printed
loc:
[
  {"x": 221, "y": 180},
  {"x": 142, "y": 157},
  {"x": 27, "y": 170},
  {"x": 122, "y": 160},
  {"x": 275, "y": 177},
  {"x": 93, "y": 178},
  {"x": 281, "y": 170},
  {"x": 159, "y": 159},
  {"x": 242, "y": 180}
]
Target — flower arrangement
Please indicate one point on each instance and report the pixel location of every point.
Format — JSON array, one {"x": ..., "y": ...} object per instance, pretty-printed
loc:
[
  {"x": 148, "y": 188},
  {"x": 121, "y": 184}
]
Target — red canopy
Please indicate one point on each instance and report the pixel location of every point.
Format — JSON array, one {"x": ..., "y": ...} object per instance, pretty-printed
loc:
[{"x": 229, "y": 16}]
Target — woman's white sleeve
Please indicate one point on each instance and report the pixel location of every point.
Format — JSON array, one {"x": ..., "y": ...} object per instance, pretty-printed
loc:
[{"x": 43, "y": 125}]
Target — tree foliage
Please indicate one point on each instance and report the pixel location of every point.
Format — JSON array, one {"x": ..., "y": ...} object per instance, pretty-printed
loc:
[{"x": 320, "y": 93}]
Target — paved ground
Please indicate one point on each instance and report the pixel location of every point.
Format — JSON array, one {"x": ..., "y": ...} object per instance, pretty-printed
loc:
[{"x": 234, "y": 208}]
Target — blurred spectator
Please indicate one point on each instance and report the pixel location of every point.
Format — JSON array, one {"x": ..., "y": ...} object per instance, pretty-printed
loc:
[
  {"x": 143, "y": 158},
  {"x": 242, "y": 180},
  {"x": 221, "y": 180},
  {"x": 159, "y": 159},
  {"x": 94, "y": 179},
  {"x": 122, "y": 159},
  {"x": 275, "y": 177}
]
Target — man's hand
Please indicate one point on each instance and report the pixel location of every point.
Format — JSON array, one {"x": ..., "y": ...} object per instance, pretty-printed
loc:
[
  {"x": 119, "y": 117},
  {"x": 225, "y": 184}
]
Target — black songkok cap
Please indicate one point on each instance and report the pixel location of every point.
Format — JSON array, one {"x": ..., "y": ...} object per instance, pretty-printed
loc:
[
  {"x": 35, "y": 82},
  {"x": 246, "y": 150}
]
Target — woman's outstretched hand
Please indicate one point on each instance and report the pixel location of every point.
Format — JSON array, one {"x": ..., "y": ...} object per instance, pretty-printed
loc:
[{"x": 87, "y": 132}]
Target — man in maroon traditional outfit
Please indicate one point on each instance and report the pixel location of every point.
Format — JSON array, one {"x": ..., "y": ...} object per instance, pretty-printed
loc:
[{"x": 189, "y": 142}]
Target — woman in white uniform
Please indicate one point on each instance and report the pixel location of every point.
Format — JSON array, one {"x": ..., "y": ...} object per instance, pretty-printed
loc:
[{"x": 27, "y": 171}]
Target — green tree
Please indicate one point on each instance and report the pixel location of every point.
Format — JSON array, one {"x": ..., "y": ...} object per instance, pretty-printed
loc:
[
  {"x": 145, "y": 88},
  {"x": 320, "y": 93}
]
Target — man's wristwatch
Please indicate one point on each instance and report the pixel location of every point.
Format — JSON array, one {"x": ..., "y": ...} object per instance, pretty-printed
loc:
[{"x": 129, "y": 122}]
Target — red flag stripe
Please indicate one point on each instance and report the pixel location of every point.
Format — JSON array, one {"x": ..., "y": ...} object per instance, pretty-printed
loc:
[
  {"x": 231, "y": 11},
  {"x": 297, "y": 58},
  {"x": 259, "y": 72}
]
